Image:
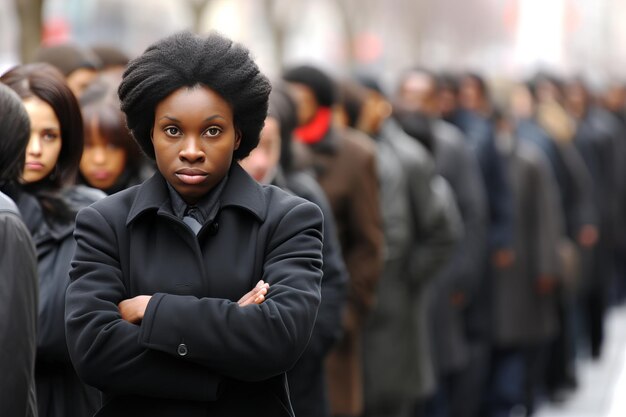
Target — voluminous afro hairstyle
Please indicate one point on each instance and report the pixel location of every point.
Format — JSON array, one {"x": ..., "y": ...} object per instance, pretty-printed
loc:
[{"x": 186, "y": 60}]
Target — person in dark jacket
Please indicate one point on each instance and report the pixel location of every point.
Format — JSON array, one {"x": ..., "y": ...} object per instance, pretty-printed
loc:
[
  {"x": 18, "y": 273},
  {"x": 344, "y": 163},
  {"x": 195, "y": 292},
  {"x": 271, "y": 162},
  {"x": 417, "y": 109},
  {"x": 48, "y": 203}
]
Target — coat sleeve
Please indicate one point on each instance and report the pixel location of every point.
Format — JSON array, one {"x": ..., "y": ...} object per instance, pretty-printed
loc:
[
  {"x": 255, "y": 342},
  {"x": 364, "y": 257},
  {"x": 435, "y": 216},
  {"x": 462, "y": 273},
  {"x": 499, "y": 197},
  {"x": 105, "y": 349},
  {"x": 18, "y": 310},
  {"x": 549, "y": 219},
  {"x": 328, "y": 327}
]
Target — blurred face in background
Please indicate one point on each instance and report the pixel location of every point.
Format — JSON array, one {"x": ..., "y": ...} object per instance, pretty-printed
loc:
[
  {"x": 263, "y": 161},
  {"x": 306, "y": 103},
  {"x": 471, "y": 95},
  {"x": 103, "y": 162},
  {"x": 44, "y": 146},
  {"x": 80, "y": 79},
  {"x": 418, "y": 93}
]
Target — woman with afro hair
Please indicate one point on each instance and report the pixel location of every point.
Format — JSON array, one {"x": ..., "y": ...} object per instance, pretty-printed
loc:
[{"x": 193, "y": 293}]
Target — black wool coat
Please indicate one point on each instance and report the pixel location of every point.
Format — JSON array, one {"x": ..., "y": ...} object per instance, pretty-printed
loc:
[
  {"x": 60, "y": 392},
  {"x": 196, "y": 352},
  {"x": 19, "y": 294}
]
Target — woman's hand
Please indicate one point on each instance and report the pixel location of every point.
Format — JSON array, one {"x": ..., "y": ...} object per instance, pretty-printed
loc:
[
  {"x": 256, "y": 296},
  {"x": 133, "y": 309}
]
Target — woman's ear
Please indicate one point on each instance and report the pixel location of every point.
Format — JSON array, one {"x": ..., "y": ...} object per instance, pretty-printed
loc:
[
  {"x": 237, "y": 138},
  {"x": 152, "y": 135}
]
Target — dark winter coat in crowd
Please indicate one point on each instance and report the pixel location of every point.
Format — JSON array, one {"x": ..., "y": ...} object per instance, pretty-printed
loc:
[
  {"x": 455, "y": 162},
  {"x": 344, "y": 164},
  {"x": 572, "y": 177},
  {"x": 421, "y": 224},
  {"x": 307, "y": 379},
  {"x": 231, "y": 362},
  {"x": 479, "y": 133},
  {"x": 60, "y": 392},
  {"x": 602, "y": 141},
  {"x": 18, "y": 313},
  {"x": 523, "y": 315},
  {"x": 480, "y": 136}
]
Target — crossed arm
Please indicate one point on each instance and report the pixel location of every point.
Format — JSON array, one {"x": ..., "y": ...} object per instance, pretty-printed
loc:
[{"x": 133, "y": 309}]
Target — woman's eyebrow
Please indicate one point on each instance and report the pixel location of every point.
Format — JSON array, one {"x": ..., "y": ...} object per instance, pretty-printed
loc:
[{"x": 172, "y": 118}]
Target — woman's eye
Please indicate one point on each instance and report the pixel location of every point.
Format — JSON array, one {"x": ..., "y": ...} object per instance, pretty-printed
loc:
[
  {"x": 172, "y": 131},
  {"x": 213, "y": 131},
  {"x": 49, "y": 136}
]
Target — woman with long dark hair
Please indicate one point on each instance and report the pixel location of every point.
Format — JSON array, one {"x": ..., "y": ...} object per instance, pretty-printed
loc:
[{"x": 48, "y": 203}]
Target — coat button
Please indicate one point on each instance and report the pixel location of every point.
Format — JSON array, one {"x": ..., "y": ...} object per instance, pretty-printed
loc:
[
  {"x": 182, "y": 349},
  {"x": 213, "y": 228}
]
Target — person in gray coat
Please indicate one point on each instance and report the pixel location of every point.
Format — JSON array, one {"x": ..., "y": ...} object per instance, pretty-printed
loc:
[
  {"x": 416, "y": 108},
  {"x": 421, "y": 225},
  {"x": 19, "y": 290},
  {"x": 524, "y": 297}
]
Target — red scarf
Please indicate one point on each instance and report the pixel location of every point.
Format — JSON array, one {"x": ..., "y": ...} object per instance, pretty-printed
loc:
[{"x": 315, "y": 130}]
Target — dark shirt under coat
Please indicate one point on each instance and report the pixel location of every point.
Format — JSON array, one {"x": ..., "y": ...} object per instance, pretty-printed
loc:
[{"x": 233, "y": 360}]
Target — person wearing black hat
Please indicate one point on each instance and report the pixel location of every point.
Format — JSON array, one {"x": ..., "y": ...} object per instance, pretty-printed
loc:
[{"x": 344, "y": 163}]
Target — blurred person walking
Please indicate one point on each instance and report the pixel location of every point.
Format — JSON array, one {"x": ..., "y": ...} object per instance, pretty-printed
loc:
[
  {"x": 344, "y": 163},
  {"x": 524, "y": 297},
  {"x": 597, "y": 138},
  {"x": 48, "y": 202},
  {"x": 421, "y": 225},
  {"x": 271, "y": 162},
  {"x": 540, "y": 120},
  {"x": 474, "y": 121},
  {"x": 19, "y": 290},
  {"x": 417, "y": 109}
]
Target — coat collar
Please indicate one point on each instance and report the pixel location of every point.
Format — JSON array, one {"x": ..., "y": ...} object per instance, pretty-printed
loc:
[{"x": 240, "y": 191}]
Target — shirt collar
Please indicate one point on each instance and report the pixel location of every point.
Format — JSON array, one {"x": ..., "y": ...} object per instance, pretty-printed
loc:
[
  {"x": 206, "y": 206},
  {"x": 239, "y": 190}
]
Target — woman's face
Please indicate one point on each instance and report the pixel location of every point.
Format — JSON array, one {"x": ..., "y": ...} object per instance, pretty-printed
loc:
[
  {"x": 102, "y": 162},
  {"x": 194, "y": 138},
  {"x": 262, "y": 162},
  {"x": 45, "y": 141}
]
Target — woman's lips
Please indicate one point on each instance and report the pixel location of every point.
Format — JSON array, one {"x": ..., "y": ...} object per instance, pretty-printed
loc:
[
  {"x": 35, "y": 166},
  {"x": 191, "y": 176},
  {"x": 101, "y": 175}
]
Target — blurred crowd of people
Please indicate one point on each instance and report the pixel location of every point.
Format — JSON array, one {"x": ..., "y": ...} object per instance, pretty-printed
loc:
[{"x": 474, "y": 238}]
